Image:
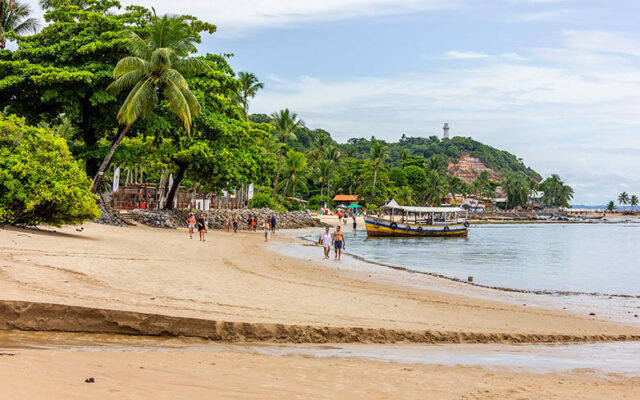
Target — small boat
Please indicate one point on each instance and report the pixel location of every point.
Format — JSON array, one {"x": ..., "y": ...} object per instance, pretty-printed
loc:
[{"x": 418, "y": 221}]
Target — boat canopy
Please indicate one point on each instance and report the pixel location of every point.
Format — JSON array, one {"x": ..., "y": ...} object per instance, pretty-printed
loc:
[{"x": 394, "y": 205}]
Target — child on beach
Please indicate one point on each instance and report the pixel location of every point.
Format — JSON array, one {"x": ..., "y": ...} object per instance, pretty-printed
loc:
[
  {"x": 227, "y": 224},
  {"x": 202, "y": 226},
  {"x": 254, "y": 224},
  {"x": 235, "y": 224},
  {"x": 191, "y": 224},
  {"x": 338, "y": 242},
  {"x": 326, "y": 240},
  {"x": 266, "y": 228}
]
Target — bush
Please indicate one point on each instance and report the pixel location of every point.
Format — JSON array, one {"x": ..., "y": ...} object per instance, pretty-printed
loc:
[
  {"x": 263, "y": 200},
  {"x": 40, "y": 182}
]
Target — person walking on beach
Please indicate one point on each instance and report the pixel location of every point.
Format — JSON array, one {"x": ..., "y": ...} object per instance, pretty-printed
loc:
[
  {"x": 355, "y": 224},
  {"x": 338, "y": 242},
  {"x": 235, "y": 224},
  {"x": 325, "y": 240},
  {"x": 254, "y": 224},
  {"x": 249, "y": 220},
  {"x": 191, "y": 224},
  {"x": 202, "y": 226},
  {"x": 273, "y": 224},
  {"x": 266, "y": 228},
  {"x": 227, "y": 223}
]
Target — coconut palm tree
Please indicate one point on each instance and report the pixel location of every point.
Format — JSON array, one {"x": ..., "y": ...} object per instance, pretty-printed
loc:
[
  {"x": 249, "y": 87},
  {"x": 378, "y": 155},
  {"x": 611, "y": 206},
  {"x": 324, "y": 172},
  {"x": 158, "y": 66},
  {"x": 14, "y": 17},
  {"x": 456, "y": 186},
  {"x": 403, "y": 157},
  {"x": 633, "y": 201},
  {"x": 294, "y": 173},
  {"x": 285, "y": 122},
  {"x": 434, "y": 189},
  {"x": 623, "y": 199},
  {"x": 405, "y": 196}
]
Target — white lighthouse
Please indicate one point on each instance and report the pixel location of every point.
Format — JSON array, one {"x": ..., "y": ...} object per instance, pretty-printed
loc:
[{"x": 445, "y": 128}]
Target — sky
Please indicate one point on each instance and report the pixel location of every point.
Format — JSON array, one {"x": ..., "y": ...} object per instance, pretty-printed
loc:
[{"x": 556, "y": 82}]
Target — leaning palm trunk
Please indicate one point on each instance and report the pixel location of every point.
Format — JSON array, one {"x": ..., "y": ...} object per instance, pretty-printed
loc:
[
  {"x": 373, "y": 189},
  {"x": 286, "y": 187},
  {"x": 107, "y": 159},
  {"x": 277, "y": 174}
]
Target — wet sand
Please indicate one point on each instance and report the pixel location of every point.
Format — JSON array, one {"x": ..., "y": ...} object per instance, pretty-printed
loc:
[{"x": 234, "y": 288}]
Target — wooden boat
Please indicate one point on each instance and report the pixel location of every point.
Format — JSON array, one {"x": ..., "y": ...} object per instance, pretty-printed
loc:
[{"x": 418, "y": 221}]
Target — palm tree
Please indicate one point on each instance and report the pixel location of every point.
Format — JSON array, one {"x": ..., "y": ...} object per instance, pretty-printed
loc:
[
  {"x": 456, "y": 186},
  {"x": 249, "y": 87},
  {"x": 285, "y": 122},
  {"x": 324, "y": 171},
  {"x": 157, "y": 66},
  {"x": 403, "y": 157},
  {"x": 47, "y": 4},
  {"x": 294, "y": 172},
  {"x": 434, "y": 189},
  {"x": 623, "y": 199},
  {"x": 611, "y": 206},
  {"x": 331, "y": 153},
  {"x": 435, "y": 163},
  {"x": 14, "y": 17},
  {"x": 379, "y": 153},
  {"x": 405, "y": 196},
  {"x": 633, "y": 201}
]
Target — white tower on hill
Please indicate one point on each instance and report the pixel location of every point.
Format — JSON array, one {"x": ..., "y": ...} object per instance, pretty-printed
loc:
[{"x": 445, "y": 128}]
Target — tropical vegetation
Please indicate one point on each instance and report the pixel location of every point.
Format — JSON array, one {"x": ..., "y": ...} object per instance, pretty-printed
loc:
[{"x": 125, "y": 88}]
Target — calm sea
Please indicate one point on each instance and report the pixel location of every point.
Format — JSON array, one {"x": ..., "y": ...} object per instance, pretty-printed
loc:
[{"x": 595, "y": 257}]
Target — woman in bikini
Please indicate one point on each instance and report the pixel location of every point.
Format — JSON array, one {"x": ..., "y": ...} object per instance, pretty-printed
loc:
[{"x": 191, "y": 224}]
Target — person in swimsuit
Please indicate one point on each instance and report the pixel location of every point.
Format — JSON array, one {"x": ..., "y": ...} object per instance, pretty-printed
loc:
[
  {"x": 338, "y": 242},
  {"x": 325, "y": 240},
  {"x": 227, "y": 223},
  {"x": 191, "y": 224},
  {"x": 254, "y": 223},
  {"x": 273, "y": 224},
  {"x": 235, "y": 224},
  {"x": 355, "y": 224},
  {"x": 266, "y": 228},
  {"x": 202, "y": 226}
]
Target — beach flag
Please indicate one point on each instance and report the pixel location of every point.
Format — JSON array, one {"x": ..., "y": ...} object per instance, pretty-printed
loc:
[
  {"x": 116, "y": 180},
  {"x": 250, "y": 192},
  {"x": 170, "y": 182}
]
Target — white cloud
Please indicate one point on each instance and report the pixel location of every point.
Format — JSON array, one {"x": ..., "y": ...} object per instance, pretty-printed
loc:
[
  {"x": 565, "y": 110},
  {"x": 601, "y": 42},
  {"x": 464, "y": 55}
]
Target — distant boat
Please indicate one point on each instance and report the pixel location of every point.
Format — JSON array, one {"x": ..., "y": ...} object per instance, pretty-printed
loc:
[{"x": 418, "y": 221}]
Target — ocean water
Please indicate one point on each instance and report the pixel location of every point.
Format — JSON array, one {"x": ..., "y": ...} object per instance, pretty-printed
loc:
[{"x": 590, "y": 258}]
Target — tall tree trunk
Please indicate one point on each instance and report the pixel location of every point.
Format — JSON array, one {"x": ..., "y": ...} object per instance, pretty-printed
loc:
[
  {"x": 174, "y": 188},
  {"x": 321, "y": 192},
  {"x": 286, "y": 187},
  {"x": 373, "y": 189},
  {"x": 277, "y": 174},
  {"x": 88, "y": 136},
  {"x": 107, "y": 159}
]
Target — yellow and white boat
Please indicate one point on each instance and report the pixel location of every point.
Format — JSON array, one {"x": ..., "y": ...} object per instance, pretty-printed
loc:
[{"x": 418, "y": 221}]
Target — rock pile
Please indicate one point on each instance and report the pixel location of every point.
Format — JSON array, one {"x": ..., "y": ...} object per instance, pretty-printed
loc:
[
  {"x": 216, "y": 218},
  {"x": 110, "y": 216}
]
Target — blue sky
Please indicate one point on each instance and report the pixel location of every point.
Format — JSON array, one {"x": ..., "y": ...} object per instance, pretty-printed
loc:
[{"x": 557, "y": 82}]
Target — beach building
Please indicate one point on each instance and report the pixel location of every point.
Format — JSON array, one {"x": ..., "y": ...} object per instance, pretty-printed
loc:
[{"x": 345, "y": 199}]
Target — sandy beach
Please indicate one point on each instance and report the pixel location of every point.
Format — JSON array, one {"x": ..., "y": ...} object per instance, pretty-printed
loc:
[{"x": 234, "y": 288}]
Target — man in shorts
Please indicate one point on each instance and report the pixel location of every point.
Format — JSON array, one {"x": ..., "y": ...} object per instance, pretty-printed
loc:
[
  {"x": 235, "y": 224},
  {"x": 338, "y": 242}
]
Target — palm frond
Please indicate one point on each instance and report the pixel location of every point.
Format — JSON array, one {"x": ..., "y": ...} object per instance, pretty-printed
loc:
[
  {"x": 192, "y": 101},
  {"x": 137, "y": 46},
  {"x": 192, "y": 66},
  {"x": 128, "y": 64},
  {"x": 178, "y": 104},
  {"x": 174, "y": 76},
  {"x": 161, "y": 58},
  {"x": 136, "y": 101},
  {"x": 125, "y": 81}
]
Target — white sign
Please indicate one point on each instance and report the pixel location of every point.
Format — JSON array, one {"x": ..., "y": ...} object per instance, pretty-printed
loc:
[
  {"x": 250, "y": 192},
  {"x": 170, "y": 182},
  {"x": 116, "y": 180}
]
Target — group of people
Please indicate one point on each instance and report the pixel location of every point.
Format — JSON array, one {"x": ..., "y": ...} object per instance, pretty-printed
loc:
[
  {"x": 201, "y": 222},
  {"x": 344, "y": 217},
  {"x": 337, "y": 240}
]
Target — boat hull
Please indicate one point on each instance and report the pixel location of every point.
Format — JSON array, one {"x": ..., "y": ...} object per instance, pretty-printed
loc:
[{"x": 382, "y": 227}]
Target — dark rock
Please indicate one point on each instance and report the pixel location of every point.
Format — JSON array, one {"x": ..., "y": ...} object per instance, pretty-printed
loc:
[
  {"x": 89, "y": 380},
  {"x": 111, "y": 216}
]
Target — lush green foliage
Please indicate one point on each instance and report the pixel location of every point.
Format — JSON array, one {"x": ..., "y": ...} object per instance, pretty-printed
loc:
[
  {"x": 40, "y": 182},
  {"x": 556, "y": 193},
  {"x": 263, "y": 200}
]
